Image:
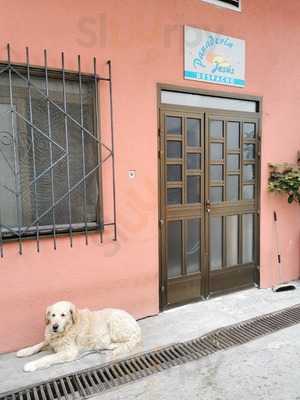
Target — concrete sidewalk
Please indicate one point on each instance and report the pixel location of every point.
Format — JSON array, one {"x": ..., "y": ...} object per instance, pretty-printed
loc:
[
  {"x": 265, "y": 369},
  {"x": 178, "y": 324}
]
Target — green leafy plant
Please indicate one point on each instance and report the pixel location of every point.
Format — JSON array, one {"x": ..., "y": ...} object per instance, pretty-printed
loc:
[{"x": 285, "y": 178}]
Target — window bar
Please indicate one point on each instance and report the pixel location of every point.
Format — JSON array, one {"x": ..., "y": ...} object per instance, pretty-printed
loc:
[
  {"x": 77, "y": 184},
  {"x": 37, "y": 128},
  {"x": 56, "y": 107},
  {"x": 33, "y": 151},
  {"x": 112, "y": 149},
  {"x": 3, "y": 69},
  {"x": 67, "y": 147},
  {"x": 15, "y": 143},
  {"x": 98, "y": 130},
  {"x": 51, "y": 150},
  {"x": 83, "y": 150}
]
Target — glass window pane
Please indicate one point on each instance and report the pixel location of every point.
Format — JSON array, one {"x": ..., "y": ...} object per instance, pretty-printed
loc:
[
  {"x": 26, "y": 143},
  {"x": 198, "y": 100},
  {"x": 216, "y": 151},
  {"x": 216, "y": 194},
  {"x": 174, "y": 196},
  {"x": 8, "y": 178},
  {"x": 233, "y": 135},
  {"x": 249, "y": 173},
  {"x": 193, "y": 132},
  {"x": 232, "y": 240},
  {"x": 215, "y": 243},
  {"x": 174, "y": 149},
  {"x": 174, "y": 248},
  {"x": 232, "y": 187},
  {"x": 249, "y": 130},
  {"x": 249, "y": 151},
  {"x": 173, "y": 125},
  {"x": 193, "y": 161},
  {"x": 174, "y": 173},
  {"x": 233, "y": 162},
  {"x": 248, "y": 192},
  {"x": 216, "y": 172},
  {"x": 193, "y": 246},
  {"x": 216, "y": 129},
  {"x": 193, "y": 189},
  {"x": 248, "y": 238}
]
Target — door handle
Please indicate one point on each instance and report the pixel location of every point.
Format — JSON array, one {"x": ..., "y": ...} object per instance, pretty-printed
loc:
[{"x": 208, "y": 206}]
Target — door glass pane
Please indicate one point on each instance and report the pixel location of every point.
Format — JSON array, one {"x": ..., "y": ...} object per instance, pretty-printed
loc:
[
  {"x": 216, "y": 151},
  {"x": 232, "y": 241},
  {"x": 248, "y": 192},
  {"x": 193, "y": 132},
  {"x": 249, "y": 130},
  {"x": 248, "y": 238},
  {"x": 215, "y": 243},
  {"x": 216, "y": 194},
  {"x": 174, "y": 149},
  {"x": 216, "y": 172},
  {"x": 249, "y": 151},
  {"x": 173, "y": 125},
  {"x": 233, "y": 135},
  {"x": 174, "y": 196},
  {"x": 193, "y": 246},
  {"x": 248, "y": 171},
  {"x": 174, "y": 173},
  {"x": 193, "y": 189},
  {"x": 233, "y": 162},
  {"x": 216, "y": 129},
  {"x": 232, "y": 187},
  {"x": 193, "y": 161},
  {"x": 174, "y": 251}
]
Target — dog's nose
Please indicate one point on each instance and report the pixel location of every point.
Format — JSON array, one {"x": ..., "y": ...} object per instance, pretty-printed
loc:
[{"x": 55, "y": 327}]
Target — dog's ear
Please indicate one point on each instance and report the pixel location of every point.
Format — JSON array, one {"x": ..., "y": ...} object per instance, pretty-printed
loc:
[
  {"x": 74, "y": 313},
  {"x": 47, "y": 314}
]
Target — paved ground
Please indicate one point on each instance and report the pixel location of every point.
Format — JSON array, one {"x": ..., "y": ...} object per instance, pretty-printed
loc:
[
  {"x": 267, "y": 369},
  {"x": 218, "y": 373}
]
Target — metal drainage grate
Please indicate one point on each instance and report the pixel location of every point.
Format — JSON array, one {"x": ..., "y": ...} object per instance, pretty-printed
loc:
[{"x": 100, "y": 379}]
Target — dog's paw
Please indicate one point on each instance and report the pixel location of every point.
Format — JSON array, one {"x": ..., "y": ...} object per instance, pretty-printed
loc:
[
  {"x": 30, "y": 367},
  {"x": 23, "y": 353}
]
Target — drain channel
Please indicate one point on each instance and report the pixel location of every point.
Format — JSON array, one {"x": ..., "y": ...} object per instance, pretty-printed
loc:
[{"x": 100, "y": 379}]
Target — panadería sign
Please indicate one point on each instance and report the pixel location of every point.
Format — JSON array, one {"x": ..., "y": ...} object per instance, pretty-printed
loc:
[{"x": 214, "y": 58}]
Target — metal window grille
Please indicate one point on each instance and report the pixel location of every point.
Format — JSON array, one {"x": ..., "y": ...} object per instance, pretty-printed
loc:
[{"x": 51, "y": 154}]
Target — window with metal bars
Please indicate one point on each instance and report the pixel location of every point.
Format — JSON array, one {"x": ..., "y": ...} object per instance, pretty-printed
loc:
[
  {"x": 27, "y": 155},
  {"x": 50, "y": 152},
  {"x": 232, "y": 4}
]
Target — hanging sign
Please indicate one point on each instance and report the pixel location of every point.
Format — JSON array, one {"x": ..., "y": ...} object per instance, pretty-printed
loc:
[{"x": 214, "y": 58}]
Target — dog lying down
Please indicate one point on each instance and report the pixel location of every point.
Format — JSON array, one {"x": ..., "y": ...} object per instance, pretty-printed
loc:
[{"x": 70, "y": 332}]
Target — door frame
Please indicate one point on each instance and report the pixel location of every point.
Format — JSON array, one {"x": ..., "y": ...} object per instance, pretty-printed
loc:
[{"x": 160, "y": 145}]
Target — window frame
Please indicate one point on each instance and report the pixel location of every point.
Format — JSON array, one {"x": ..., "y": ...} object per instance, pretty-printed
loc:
[
  {"x": 220, "y": 3},
  {"x": 64, "y": 229}
]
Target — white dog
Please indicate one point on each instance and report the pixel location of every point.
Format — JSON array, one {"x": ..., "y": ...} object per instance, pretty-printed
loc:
[{"x": 70, "y": 331}]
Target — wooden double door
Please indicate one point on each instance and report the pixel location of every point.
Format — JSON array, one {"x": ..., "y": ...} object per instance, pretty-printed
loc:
[{"x": 209, "y": 219}]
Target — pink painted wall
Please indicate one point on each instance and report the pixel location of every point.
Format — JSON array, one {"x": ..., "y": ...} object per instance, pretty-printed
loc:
[{"x": 144, "y": 40}]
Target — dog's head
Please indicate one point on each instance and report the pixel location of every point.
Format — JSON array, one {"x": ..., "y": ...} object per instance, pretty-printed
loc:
[{"x": 61, "y": 316}]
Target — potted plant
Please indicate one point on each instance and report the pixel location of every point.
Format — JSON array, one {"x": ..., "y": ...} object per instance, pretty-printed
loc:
[{"x": 285, "y": 178}]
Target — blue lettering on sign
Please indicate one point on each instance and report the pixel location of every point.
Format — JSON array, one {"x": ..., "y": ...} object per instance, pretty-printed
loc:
[
  {"x": 222, "y": 69},
  {"x": 214, "y": 78},
  {"x": 211, "y": 43}
]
